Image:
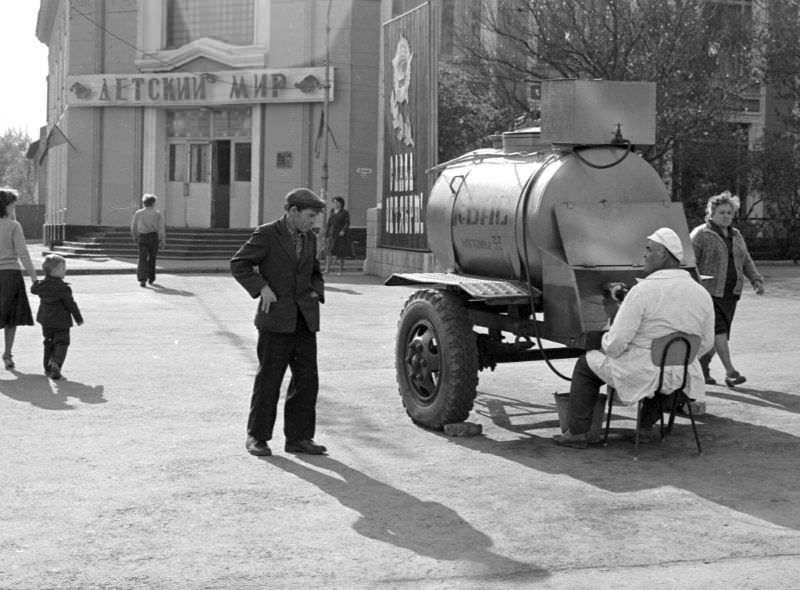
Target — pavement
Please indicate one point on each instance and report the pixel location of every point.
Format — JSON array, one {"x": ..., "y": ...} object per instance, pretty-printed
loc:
[
  {"x": 109, "y": 265},
  {"x": 131, "y": 472},
  {"x": 123, "y": 265},
  {"x": 77, "y": 265}
]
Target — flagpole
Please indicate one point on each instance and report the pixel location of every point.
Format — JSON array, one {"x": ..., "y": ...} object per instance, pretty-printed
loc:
[{"x": 325, "y": 114}]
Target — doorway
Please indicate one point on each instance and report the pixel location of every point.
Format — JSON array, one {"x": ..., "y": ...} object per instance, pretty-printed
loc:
[
  {"x": 221, "y": 184},
  {"x": 208, "y": 170}
]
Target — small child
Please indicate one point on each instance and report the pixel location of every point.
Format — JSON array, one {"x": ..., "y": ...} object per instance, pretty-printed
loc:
[{"x": 56, "y": 310}]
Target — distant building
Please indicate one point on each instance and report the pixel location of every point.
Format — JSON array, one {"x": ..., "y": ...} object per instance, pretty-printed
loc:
[{"x": 213, "y": 105}]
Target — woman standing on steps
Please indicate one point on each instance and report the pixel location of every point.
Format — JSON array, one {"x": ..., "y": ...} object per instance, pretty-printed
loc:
[{"x": 14, "y": 308}]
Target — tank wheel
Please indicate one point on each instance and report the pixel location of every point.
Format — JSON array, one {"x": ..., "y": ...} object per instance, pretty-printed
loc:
[{"x": 436, "y": 359}]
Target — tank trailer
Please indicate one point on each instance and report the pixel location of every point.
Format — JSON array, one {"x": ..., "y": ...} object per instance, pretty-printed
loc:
[{"x": 538, "y": 241}]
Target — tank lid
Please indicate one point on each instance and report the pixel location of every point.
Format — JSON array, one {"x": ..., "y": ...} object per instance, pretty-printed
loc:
[{"x": 528, "y": 139}]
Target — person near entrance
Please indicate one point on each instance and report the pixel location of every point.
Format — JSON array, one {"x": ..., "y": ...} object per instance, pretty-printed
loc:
[
  {"x": 336, "y": 242},
  {"x": 667, "y": 300},
  {"x": 278, "y": 264},
  {"x": 149, "y": 232}
]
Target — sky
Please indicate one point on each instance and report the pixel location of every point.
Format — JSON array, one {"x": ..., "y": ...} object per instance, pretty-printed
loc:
[{"x": 23, "y": 65}]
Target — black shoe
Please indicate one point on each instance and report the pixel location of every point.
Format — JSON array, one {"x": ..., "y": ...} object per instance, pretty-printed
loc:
[
  {"x": 141, "y": 283},
  {"x": 258, "y": 448},
  {"x": 574, "y": 441},
  {"x": 710, "y": 380},
  {"x": 734, "y": 379},
  {"x": 55, "y": 370},
  {"x": 305, "y": 446},
  {"x": 151, "y": 281}
]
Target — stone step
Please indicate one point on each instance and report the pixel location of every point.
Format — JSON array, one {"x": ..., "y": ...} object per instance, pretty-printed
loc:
[
  {"x": 182, "y": 243},
  {"x": 130, "y": 244}
]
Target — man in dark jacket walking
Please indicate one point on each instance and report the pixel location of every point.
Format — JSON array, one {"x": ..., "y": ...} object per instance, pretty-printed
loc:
[
  {"x": 279, "y": 265},
  {"x": 56, "y": 310}
]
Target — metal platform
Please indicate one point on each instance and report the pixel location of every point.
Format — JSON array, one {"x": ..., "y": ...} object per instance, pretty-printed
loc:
[{"x": 505, "y": 292}]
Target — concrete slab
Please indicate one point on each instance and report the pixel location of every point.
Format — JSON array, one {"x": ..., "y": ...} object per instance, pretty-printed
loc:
[{"x": 131, "y": 473}]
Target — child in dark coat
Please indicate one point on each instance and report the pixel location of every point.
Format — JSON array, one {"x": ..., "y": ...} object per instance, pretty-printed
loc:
[{"x": 56, "y": 310}]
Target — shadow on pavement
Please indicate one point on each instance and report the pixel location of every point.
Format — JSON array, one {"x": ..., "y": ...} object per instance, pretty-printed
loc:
[
  {"x": 392, "y": 516},
  {"x": 762, "y": 398},
  {"x": 329, "y": 288},
  {"x": 168, "y": 291},
  {"x": 42, "y": 392},
  {"x": 745, "y": 467}
]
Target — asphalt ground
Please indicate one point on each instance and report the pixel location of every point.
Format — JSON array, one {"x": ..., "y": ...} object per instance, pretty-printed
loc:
[{"x": 131, "y": 472}]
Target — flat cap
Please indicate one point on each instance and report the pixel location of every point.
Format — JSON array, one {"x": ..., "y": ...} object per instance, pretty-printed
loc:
[{"x": 304, "y": 198}]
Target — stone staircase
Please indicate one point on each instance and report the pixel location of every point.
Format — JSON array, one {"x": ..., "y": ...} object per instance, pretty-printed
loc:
[{"x": 182, "y": 243}]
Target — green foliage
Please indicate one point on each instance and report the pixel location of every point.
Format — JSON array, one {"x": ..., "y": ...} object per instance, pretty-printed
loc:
[
  {"x": 15, "y": 170},
  {"x": 775, "y": 176},
  {"x": 469, "y": 112},
  {"x": 694, "y": 50}
]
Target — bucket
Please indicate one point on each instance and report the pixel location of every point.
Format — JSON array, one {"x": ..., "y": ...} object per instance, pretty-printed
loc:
[{"x": 596, "y": 427}]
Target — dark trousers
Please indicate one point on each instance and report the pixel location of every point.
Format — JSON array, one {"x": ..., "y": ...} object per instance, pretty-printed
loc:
[
  {"x": 277, "y": 351},
  {"x": 56, "y": 343},
  {"x": 148, "y": 250},
  {"x": 583, "y": 393}
]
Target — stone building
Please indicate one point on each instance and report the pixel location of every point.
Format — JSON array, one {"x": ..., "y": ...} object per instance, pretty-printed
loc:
[{"x": 216, "y": 106}]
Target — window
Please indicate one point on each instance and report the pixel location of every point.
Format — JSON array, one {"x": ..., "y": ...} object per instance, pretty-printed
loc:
[
  {"x": 195, "y": 123},
  {"x": 284, "y": 160},
  {"x": 230, "y": 21},
  {"x": 177, "y": 162},
  {"x": 207, "y": 123},
  {"x": 242, "y": 162},
  {"x": 232, "y": 122},
  {"x": 198, "y": 162}
]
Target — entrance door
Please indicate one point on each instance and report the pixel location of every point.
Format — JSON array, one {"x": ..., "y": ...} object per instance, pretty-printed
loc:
[
  {"x": 198, "y": 205},
  {"x": 221, "y": 184},
  {"x": 189, "y": 184}
]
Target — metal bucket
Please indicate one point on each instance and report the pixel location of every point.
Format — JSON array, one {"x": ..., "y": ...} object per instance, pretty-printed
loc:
[{"x": 596, "y": 429}]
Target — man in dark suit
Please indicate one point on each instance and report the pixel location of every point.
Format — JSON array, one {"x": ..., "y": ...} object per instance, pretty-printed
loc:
[{"x": 278, "y": 263}]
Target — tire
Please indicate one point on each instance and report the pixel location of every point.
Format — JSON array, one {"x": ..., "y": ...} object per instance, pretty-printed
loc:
[{"x": 436, "y": 359}]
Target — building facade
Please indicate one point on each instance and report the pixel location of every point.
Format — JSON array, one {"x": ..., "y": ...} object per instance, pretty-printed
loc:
[{"x": 216, "y": 106}]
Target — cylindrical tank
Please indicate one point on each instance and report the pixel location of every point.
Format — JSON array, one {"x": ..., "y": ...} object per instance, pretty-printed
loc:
[{"x": 479, "y": 206}]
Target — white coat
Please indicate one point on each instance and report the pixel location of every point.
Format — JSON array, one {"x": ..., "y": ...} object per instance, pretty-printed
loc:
[{"x": 666, "y": 301}]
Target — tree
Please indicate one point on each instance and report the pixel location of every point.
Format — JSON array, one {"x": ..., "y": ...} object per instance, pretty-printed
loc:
[
  {"x": 775, "y": 177},
  {"x": 697, "y": 52},
  {"x": 470, "y": 110},
  {"x": 16, "y": 170}
]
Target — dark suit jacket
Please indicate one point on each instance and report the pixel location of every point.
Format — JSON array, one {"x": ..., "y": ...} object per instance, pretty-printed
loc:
[
  {"x": 56, "y": 305},
  {"x": 268, "y": 258}
]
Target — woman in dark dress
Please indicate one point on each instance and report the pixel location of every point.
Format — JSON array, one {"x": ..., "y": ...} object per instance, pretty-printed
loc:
[
  {"x": 336, "y": 242},
  {"x": 723, "y": 263},
  {"x": 14, "y": 307}
]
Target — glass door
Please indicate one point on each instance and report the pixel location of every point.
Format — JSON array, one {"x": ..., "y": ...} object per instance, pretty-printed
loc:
[
  {"x": 189, "y": 184},
  {"x": 198, "y": 206}
]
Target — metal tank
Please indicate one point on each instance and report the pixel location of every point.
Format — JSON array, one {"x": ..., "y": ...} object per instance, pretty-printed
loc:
[
  {"x": 530, "y": 241},
  {"x": 484, "y": 209}
]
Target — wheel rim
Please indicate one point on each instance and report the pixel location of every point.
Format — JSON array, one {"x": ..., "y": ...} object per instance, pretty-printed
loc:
[{"x": 423, "y": 361}]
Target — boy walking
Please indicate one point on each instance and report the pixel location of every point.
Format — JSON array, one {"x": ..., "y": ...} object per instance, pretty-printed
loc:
[{"x": 56, "y": 310}]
